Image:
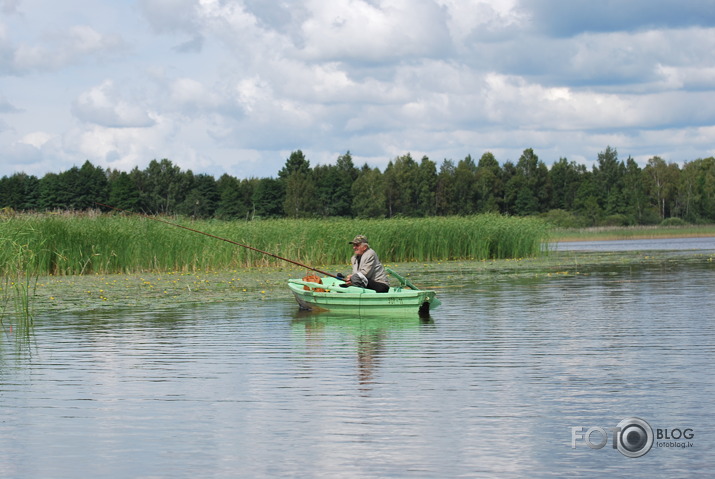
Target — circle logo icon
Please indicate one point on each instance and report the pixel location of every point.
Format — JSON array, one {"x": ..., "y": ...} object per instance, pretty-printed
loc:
[{"x": 635, "y": 437}]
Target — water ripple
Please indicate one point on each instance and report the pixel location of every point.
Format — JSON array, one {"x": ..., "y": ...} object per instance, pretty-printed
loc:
[{"x": 490, "y": 386}]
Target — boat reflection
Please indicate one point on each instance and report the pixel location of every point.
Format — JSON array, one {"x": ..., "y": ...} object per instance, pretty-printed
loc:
[{"x": 372, "y": 337}]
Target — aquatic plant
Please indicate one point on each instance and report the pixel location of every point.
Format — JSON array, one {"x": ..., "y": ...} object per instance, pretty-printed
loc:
[
  {"x": 118, "y": 243},
  {"x": 17, "y": 289}
]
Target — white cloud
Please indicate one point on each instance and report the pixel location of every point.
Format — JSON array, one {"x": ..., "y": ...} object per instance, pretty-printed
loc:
[
  {"x": 686, "y": 78},
  {"x": 234, "y": 86},
  {"x": 486, "y": 21},
  {"x": 104, "y": 106},
  {"x": 389, "y": 30},
  {"x": 76, "y": 44},
  {"x": 190, "y": 96},
  {"x": 37, "y": 138},
  {"x": 121, "y": 148}
]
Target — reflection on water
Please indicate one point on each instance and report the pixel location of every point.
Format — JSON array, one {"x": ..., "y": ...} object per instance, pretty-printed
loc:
[
  {"x": 490, "y": 386},
  {"x": 370, "y": 337}
]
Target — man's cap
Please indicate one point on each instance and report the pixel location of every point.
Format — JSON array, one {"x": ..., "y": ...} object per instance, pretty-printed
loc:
[{"x": 358, "y": 239}]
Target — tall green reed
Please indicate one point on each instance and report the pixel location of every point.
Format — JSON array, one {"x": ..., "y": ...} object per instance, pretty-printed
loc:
[
  {"x": 99, "y": 244},
  {"x": 17, "y": 289}
]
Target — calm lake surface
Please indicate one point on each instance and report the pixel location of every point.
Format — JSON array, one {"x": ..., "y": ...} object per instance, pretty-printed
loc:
[{"x": 500, "y": 382}]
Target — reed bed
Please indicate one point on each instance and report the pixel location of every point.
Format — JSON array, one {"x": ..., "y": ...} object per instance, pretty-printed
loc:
[{"x": 116, "y": 243}]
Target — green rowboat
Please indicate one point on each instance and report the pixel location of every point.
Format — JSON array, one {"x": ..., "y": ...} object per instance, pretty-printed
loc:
[{"x": 329, "y": 295}]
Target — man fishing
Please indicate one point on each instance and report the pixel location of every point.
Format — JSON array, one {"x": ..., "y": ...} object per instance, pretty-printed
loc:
[{"x": 368, "y": 272}]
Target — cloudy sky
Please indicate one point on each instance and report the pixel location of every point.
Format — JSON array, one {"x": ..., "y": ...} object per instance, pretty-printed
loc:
[{"x": 233, "y": 86}]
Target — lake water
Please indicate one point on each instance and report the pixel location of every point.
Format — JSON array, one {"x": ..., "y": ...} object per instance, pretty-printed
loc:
[{"x": 504, "y": 380}]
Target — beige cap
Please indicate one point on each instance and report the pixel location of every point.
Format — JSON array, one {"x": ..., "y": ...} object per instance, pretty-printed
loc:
[{"x": 358, "y": 239}]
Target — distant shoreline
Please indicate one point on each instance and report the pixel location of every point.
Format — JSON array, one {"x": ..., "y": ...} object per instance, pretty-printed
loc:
[{"x": 614, "y": 233}]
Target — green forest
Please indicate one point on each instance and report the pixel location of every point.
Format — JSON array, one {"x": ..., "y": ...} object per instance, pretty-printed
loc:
[{"x": 568, "y": 194}]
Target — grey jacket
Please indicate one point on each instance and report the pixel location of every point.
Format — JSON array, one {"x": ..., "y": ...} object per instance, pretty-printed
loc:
[{"x": 370, "y": 266}]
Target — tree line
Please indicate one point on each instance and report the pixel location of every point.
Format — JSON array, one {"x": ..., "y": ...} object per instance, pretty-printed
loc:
[{"x": 612, "y": 192}]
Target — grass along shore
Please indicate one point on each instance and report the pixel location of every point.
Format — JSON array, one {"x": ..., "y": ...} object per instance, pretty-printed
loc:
[
  {"x": 76, "y": 244},
  {"x": 607, "y": 233}
]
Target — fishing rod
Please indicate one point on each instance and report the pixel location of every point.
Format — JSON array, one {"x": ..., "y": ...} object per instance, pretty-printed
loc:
[{"x": 222, "y": 239}]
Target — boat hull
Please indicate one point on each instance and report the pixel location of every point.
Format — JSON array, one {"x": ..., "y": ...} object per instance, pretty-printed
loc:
[{"x": 359, "y": 301}]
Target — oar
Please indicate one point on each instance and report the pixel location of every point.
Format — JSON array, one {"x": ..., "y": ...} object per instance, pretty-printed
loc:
[
  {"x": 435, "y": 302},
  {"x": 222, "y": 239},
  {"x": 402, "y": 279}
]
